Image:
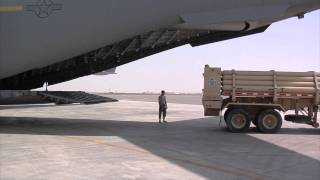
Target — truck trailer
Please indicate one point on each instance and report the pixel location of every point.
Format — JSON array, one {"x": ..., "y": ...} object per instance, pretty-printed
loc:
[{"x": 261, "y": 97}]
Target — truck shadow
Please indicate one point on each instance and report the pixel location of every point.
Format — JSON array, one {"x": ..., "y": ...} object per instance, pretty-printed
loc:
[{"x": 197, "y": 145}]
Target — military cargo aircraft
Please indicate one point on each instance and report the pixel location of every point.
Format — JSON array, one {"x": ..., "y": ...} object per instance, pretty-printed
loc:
[{"x": 59, "y": 40}]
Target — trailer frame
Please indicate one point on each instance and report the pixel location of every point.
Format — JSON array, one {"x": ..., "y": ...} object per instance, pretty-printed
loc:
[{"x": 261, "y": 97}]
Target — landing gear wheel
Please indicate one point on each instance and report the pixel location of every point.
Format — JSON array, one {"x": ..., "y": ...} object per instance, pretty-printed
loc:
[
  {"x": 238, "y": 120},
  {"x": 269, "y": 121}
]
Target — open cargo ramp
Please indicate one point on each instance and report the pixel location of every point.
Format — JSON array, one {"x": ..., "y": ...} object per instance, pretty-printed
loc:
[
  {"x": 13, "y": 97},
  {"x": 71, "y": 97}
]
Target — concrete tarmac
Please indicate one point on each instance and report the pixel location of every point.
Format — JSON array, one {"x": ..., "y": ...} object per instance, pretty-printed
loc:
[{"x": 123, "y": 140}]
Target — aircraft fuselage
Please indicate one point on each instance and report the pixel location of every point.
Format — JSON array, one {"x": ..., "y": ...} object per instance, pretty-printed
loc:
[{"x": 38, "y": 33}]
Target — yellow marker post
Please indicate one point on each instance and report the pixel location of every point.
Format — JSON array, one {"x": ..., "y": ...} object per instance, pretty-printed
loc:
[{"x": 16, "y": 8}]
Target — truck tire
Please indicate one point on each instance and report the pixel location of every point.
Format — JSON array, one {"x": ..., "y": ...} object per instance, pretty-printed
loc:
[
  {"x": 255, "y": 119},
  {"x": 226, "y": 113},
  {"x": 238, "y": 120},
  {"x": 225, "y": 116},
  {"x": 269, "y": 121}
]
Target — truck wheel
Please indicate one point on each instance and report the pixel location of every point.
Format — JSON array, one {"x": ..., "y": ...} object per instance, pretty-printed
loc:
[
  {"x": 269, "y": 121},
  {"x": 238, "y": 120},
  {"x": 226, "y": 114},
  {"x": 255, "y": 119}
]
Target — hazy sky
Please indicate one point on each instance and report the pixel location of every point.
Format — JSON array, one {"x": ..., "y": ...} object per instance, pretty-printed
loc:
[{"x": 290, "y": 45}]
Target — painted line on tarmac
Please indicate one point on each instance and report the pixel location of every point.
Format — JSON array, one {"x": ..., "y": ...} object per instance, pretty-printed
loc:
[{"x": 237, "y": 172}]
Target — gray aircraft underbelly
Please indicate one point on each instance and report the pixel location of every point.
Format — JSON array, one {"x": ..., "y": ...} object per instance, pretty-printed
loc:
[
  {"x": 28, "y": 41},
  {"x": 38, "y": 33}
]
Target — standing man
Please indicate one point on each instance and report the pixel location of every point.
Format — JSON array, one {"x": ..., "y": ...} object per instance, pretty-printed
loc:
[{"x": 162, "y": 106}]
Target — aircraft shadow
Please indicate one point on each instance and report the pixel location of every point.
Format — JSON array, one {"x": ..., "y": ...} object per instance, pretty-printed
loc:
[{"x": 197, "y": 145}]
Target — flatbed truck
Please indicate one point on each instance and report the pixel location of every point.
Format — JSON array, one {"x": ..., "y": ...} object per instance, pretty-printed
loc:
[{"x": 259, "y": 97}]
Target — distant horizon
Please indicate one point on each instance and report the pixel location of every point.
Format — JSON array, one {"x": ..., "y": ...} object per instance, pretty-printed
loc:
[
  {"x": 175, "y": 93},
  {"x": 146, "y": 93},
  {"x": 289, "y": 45}
]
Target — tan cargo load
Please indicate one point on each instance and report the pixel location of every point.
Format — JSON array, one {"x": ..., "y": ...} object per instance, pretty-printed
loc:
[{"x": 260, "y": 90}]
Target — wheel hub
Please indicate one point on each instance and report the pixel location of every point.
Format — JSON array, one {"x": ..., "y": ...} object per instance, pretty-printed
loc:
[
  {"x": 238, "y": 121},
  {"x": 270, "y": 121}
]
